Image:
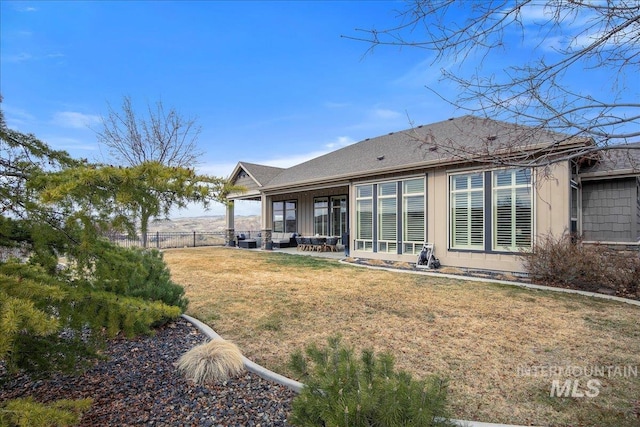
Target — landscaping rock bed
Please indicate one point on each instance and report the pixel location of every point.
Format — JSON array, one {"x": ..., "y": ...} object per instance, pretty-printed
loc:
[
  {"x": 139, "y": 385},
  {"x": 462, "y": 272}
]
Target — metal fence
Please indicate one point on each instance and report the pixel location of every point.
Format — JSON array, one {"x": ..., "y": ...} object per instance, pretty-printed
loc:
[
  {"x": 170, "y": 239},
  {"x": 176, "y": 239}
]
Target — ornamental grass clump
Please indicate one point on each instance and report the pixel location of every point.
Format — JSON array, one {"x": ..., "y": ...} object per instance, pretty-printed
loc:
[
  {"x": 216, "y": 360},
  {"x": 342, "y": 390}
]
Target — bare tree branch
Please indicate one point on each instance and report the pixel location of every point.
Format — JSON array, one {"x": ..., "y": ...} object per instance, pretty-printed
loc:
[
  {"x": 572, "y": 40},
  {"x": 162, "y": 136}
]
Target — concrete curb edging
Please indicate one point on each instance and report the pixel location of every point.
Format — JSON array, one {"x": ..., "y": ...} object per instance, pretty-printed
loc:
[
  {"x": 498, "y": 281},
  {"x": 298, "y": 386},
  {"x": 248, "y": 364}
]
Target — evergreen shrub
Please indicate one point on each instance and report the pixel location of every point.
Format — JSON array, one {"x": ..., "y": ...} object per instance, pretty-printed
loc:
[
  {"x": 343, "y": 390},
  {"x": 140, "y": 273},
  {"x": 28, "y": 413}
]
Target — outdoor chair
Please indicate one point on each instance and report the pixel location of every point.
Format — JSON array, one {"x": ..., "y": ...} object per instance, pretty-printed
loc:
[
  {"x": 331, "y": 244},
  {"x": 316, "y": 244},
  {"x": 303, "y": 244}
]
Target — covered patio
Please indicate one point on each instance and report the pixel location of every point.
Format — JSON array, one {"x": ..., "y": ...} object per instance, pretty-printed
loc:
[
  {"x": 295, "y": 251},
  {"x": 311, "y": 217}
]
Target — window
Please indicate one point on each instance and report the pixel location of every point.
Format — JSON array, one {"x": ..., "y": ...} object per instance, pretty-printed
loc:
[
  {"x": 574, "y": 209},
  {"x": 391, "y": 216},
  {"x": 499, "y": 221},
  {"x": 512, "y": 209},
  {"x": 364, "y": 218},
  {"x": 413, "y": 215},
  {"x": 467, "y": 211},
  {"x": 338, "y": 215},
  {"x": 284, "y": 217},
  {"x": 321, "y": 216},
  {"x": 387, "y": 217}
]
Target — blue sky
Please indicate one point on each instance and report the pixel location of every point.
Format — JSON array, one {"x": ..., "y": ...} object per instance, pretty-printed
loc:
[{"x": 269, "y": 82}]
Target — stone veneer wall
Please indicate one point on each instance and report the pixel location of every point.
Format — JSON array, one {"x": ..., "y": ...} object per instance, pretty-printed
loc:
[
  {"x": 266, "y": 237},
  {"x": 230, "y": 238}
]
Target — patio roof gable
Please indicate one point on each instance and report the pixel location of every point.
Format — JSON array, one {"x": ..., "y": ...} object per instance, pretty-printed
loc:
[{"x": 252, "y": 177}]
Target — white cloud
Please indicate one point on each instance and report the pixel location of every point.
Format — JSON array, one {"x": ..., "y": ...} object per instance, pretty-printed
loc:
[
  {"x": 225, "y": 169},
  {"x": 24, "y": 57},
  {"x": 286, "y": 162},
  {"x": 222, "y": 170},
  {"x": 72, "y": 145},
  {"x": 427, "y": 72},
  {"x": 26, "y": 9},
  {"x": 19, "y": 57},
  {"x": 71, "y": 119},
  {"x": 385, "y": 114},
  {"x": 341, "y": 141},
  {"x": 16, "y": 117},
  {"x": 531, "y": 13},
  {"x": 240, "y": 208}
]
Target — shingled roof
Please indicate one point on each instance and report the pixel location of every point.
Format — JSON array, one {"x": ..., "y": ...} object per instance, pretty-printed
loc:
[
  {"x": 409, "y": 149},
  {"x": 616, "y": 160},
  {"x": 261, "y": 174}
]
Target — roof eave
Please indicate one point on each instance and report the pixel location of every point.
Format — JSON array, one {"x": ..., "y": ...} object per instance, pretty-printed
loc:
[
  {"x": 343, "y": 179},
  {"x": 618, "y": 173},
  {"x": 335, "y": 179}
]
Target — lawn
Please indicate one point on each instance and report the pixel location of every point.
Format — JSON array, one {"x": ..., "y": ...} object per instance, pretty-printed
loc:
[{"x": 482, "y": 337}]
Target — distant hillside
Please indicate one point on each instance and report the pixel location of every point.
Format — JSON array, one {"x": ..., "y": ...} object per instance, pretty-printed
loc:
[{"x": 206, "y": 223}]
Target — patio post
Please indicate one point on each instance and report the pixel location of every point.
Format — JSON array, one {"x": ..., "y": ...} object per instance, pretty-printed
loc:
[
  {"x": 267, "y": 220},
  {"x": 230, "y": 238}
]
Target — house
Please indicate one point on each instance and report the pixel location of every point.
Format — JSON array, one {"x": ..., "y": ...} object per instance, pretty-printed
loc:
[
  {"x": 608, "y": 191},
  {"x": 440, "y": 183}
]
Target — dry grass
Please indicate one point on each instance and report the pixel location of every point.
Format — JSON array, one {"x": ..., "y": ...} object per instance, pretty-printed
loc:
[
  {"x": 476, "y": 334},
  {"x": 216, "y": 360}
]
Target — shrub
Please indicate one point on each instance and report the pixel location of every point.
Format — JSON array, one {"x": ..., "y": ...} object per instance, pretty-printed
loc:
[
  {"x": 28, "y": 413},
  {"x": 341, "y": 390},
  {"x": 48, "y": 324},
  {"x": 137, "y": 273},
  {"x": 216, "y": 360},
  {"x": 565, "y": 262}
]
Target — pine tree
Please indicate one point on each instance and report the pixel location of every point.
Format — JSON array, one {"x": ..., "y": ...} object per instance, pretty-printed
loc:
[{"x": 53, "y": 316}]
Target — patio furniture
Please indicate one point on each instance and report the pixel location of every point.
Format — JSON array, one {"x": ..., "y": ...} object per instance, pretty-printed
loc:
[
  {"x": 303, "y": 243},
  {"x": 248, "y": 244},
  {"x": 317, "y": 243},
  {"x": 331, "y": 244},
  {"x": 283, "y": 240}
]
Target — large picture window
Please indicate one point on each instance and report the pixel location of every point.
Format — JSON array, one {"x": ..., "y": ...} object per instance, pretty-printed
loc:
[
  {"x": 512, "y": 207},
  {"x": 338, "y": 215},
  {"x": 413, "y": 215},
  {"x": 321, "y": 216},
  {"x": 491, "y": 211},
  {"x": 364, "y": 218},
  {"x": 387, "y": 217},
  {"x": 391, "y": 216},
  {"x": 467, "y": 211},
  {"x": 284, "y": 217}
]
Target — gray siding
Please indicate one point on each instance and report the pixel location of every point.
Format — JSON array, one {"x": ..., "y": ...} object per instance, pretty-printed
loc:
[
  {"x": 246, "y": 182},
  {"x": 610, "y": 210}
]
